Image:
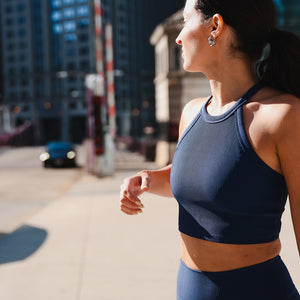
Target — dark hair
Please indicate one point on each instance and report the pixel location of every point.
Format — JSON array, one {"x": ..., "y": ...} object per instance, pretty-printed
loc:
[{"x": 253, "y": 22}]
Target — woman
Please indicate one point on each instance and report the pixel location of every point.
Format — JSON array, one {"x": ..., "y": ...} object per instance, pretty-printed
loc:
[{"x": 237, "y": 157}]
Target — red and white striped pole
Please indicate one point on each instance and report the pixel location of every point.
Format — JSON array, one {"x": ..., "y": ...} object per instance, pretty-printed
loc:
[
  {"x": 98, "y": 36},
  {"x": 110, "y": 80}
]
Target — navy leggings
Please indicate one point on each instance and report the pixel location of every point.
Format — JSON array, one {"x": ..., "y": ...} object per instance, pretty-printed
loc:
[{"x": 269, "y": 280}]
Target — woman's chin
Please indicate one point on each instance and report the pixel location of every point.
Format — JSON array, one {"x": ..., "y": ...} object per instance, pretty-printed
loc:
[
  {"x": 189, "y": 68},
  {"x": 186, "y": 66}
]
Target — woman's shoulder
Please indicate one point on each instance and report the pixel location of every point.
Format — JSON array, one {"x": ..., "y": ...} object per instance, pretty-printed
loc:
[
  {"x": 189, "y": 112},
  {"x": 193, "y": 107},
  {"x": 276, "y": 106},
  {"x": 276, "y": 114}
]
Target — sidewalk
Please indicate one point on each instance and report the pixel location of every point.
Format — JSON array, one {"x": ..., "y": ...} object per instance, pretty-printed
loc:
[{"x": 82, "y": 247}]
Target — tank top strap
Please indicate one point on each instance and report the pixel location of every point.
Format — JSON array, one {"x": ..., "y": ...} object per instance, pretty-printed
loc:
[{"x": 251, "y": 92}]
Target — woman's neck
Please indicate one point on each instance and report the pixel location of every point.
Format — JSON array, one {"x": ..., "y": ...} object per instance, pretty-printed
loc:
[{"x": 230, "y": 81}]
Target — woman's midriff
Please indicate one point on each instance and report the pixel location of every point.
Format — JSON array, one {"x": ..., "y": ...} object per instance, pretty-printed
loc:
[{"x": 208, "y": 256}]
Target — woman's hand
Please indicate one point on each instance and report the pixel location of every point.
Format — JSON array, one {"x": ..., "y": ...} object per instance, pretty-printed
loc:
[{"x": 131, "y": 189}]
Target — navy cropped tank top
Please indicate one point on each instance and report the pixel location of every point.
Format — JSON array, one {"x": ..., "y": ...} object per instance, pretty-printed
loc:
[{"x": 225, "y": 192}]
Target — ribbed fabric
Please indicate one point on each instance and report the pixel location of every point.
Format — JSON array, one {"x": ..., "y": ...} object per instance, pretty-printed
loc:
[
  {"x": 226, "y": 193},
  {"x": 269, "y": 280}
]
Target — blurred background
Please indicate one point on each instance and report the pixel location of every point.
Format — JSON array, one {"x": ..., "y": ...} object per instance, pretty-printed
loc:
[
  {"x": 106, "y": 72},
  {"x": 97, "y": 86}
]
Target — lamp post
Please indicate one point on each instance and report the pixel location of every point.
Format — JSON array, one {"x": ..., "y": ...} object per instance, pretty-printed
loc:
[{"x": 63, "y": 75}]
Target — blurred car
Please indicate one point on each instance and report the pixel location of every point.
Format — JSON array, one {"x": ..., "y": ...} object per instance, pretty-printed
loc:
[{"x": 59, "y": 154}]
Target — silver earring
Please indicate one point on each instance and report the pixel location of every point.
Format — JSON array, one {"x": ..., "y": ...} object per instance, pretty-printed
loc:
[{"x": 211, "y": 41}]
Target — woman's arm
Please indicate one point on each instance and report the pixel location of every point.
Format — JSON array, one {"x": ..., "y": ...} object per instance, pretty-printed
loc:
[
  {"x": 158, "y": 181},
  {"x": 288, "y": 146}
]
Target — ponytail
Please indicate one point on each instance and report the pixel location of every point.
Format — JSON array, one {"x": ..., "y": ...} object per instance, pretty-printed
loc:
[{"x": 280, "y": 69}]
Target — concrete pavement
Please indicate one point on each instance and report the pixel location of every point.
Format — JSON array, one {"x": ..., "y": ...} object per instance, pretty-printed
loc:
[{"x": 81, "y": 247}]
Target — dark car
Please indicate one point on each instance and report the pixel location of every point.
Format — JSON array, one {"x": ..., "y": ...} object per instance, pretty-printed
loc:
[{"x": 59, "y": 154}]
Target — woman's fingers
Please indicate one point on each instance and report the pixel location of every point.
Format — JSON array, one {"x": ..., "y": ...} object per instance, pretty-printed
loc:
[
  {"x": 130, "y": 212},
  {"x": 131, "y": 189},
  {"x": 125, "y": 192},
  {"x": 129, "y": 203},
  {"x": 130, "y": 207}
]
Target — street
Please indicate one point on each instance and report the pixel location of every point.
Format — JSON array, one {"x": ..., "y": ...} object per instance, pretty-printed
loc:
[
  {"x": 68, "y": 240},
  {"x": 80, "y": 246},
  {"x": 26, "y": 187}
]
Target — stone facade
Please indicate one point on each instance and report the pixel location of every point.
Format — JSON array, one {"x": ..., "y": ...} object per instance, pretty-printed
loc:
[{"x": 174, "y": 87}]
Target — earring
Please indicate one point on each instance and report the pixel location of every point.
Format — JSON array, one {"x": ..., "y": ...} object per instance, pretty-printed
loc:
[{"x": 211, "y": 41}]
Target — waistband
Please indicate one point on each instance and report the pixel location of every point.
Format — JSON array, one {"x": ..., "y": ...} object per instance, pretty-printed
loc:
[{"x": 265, "y": 264}]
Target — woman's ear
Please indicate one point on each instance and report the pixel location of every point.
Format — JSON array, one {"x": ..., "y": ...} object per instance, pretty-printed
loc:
[{"x": 217, "y": 24}]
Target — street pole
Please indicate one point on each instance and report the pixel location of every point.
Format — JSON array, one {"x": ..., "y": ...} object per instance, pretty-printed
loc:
[
  {"x": 111, "y": 107},
  {"x": 104, "y": 162}
]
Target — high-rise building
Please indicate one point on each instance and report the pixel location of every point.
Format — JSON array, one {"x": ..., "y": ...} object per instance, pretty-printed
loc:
[
  {"x": 133, "y": 22},
  {"x": 49, "y": 46},
  {"x": 47, "y": 49}
]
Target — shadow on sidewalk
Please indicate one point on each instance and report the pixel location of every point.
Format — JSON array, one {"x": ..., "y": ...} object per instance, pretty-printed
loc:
[{"x": 21, "y": 243}]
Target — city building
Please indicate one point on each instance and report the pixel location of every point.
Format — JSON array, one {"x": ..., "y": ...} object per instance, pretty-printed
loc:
[
  {"x": 133, "y": 22},
  {"x": 174, "y": 87},
  {"x": 288, "y": 15},
  {"x": 47, "y": 49},
  {"x": 1, "y": 69}
]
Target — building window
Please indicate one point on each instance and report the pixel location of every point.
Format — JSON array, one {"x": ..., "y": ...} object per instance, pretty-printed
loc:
[
  {"x": 24, "y": 70},
  {"x": 21, "y": 7},
  {"x": 84, "y": 51},
  {"x": 22, "y": 57},
  {"x": 8, "y": 9},
  {"x": 69, "y": 26},
  {"x": 71, "y": 66},
  {"x": 83, "y": 23},
  {"x": 70, "y": 52},
  {"x": 82, "y": 1},
  {"x": 82, "y": 11},
  {"x": 84, "y": 65},
  {"x": 71, "y": 37},
  {"x": 11, "y": 46},
  {"x": 10, "y": 34},
  {"x": 22, "y": 45},
  {"x": 72, "y": 105},
  {"x": 11, "y": 59},
  {"x": 68, "y": 2},
  {"x": 72, "y": 79},
  {"x": 12, "y": 83},
  {"x": 9, "y": 22},
  {"x": 69, "y": 13},
  {"x": 12, "y": 71},
  {"x": 24, "y": 82},
  {"x": 57, "y": 28},
  {"x": 21, "y": 20},
  {"x": 26, "y": 107},
  {"x": 22, "y": 32},
  {"x": 12, "y": 95},
  {"x": 56, "y": 16},
  {"x": 25, "y": 94},
  {"x": 83, "y": 37},
  {"x": 56, "y": 3}
]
